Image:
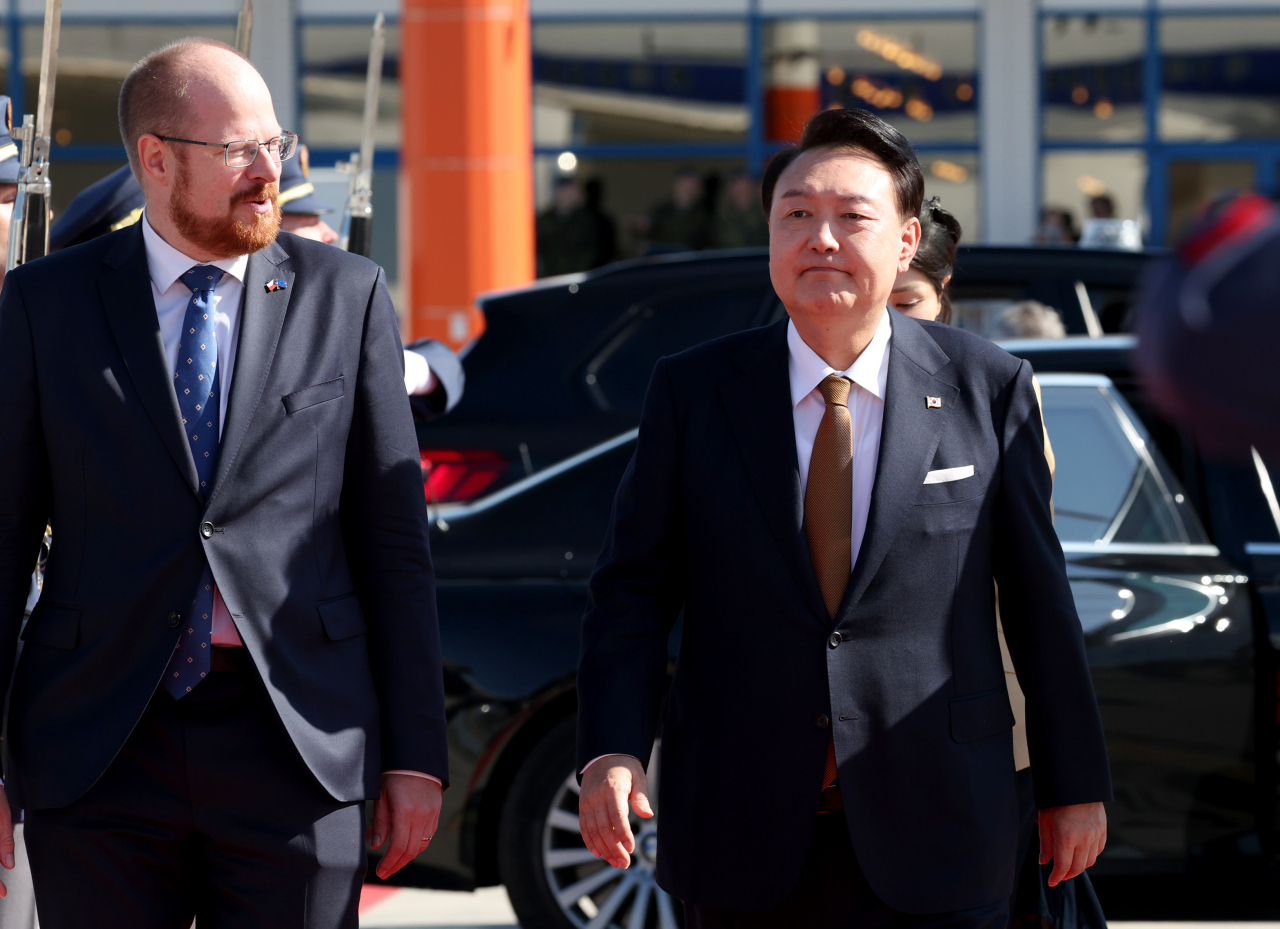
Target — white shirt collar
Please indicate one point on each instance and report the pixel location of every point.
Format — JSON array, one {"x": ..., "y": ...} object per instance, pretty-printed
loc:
[
  {"x": 166, "y": 264},
  {"x": 807, "y": 369}
]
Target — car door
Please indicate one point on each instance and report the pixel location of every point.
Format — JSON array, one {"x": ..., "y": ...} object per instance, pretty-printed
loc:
[{"x": 1167, "y": 624}]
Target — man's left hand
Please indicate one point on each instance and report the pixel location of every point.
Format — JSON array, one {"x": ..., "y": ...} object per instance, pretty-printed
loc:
[
  {"x": 405, "y": 819},
  {"x": 1072, "y": 837}
]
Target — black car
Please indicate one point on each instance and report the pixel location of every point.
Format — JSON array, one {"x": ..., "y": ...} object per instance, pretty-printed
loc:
[{"x": 1174, "y": 562}]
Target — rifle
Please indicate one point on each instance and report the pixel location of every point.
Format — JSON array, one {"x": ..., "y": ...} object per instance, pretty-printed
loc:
[
  {"x": 29, "y": 228},
  {"x": 357, "y": 218},
  {"x": 244, "y": 28}
]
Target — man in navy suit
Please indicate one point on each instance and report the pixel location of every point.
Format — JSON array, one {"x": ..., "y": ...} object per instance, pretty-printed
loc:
[
  {"x": 827, "y": 500},
  {"x": 236, "y": 644}
]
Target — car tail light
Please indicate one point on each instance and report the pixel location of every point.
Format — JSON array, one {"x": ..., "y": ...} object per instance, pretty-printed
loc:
[{"x": 458, "y": 475}]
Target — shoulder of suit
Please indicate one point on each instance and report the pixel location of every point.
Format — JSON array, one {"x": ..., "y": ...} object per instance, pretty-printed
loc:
[
  {"x": 972, "y": 353},
  {"x": 726, "y": 349},
  {"x": 70, "y": 263},
  {"x": 309, "y": 251}
]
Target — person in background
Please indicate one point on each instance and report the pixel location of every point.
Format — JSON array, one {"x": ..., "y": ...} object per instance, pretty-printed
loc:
[
  {"x": 1056, "y": 227},
  {"x": 923, "y": 292},
  {"x": 1030, "y": 319},
  {"x": 1102, "y": 206},
  {"x": 301, "y": 211},
  {"x": 606, "y": 231},
  {"x": 566, "y": 232},
  {"x": 682, "y": 222},
  {"x": 433, "y": 374},
  {"x": 740, "y": 223}
]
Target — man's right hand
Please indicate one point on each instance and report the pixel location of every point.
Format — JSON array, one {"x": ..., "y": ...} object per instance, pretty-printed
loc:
[
  {"x": 609, "y": 786},
  {"x": 6, "y": 838}
]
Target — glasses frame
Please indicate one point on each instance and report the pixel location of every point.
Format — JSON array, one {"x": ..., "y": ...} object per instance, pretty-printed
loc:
[{"x": 226, "y": 147}]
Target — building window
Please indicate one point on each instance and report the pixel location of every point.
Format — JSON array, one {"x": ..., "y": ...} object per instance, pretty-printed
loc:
[
  {"x": 335, "y": 60},
  {"x": 953, "y": 178},
  {"x": 1082, "y": 185},
  {"x": 1092, "y": 78},
  {"x": 920, "y": 75},
  {"x": 627, "y": 82},
  {"x": 1220, "y": 77}
]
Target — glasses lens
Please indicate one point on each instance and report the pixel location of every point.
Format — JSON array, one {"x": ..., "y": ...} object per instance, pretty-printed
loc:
[
  {"x": 286, "y": 146},
  {"x": 241, "y": 154}
]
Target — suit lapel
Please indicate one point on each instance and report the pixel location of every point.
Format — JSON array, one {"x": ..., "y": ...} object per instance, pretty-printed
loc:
[
  {"x": 261, "y": 320},
  {"x": 758, "y": 403},
  {"x": 131, "y": 313},
  {"x": 908, "y": 440}
]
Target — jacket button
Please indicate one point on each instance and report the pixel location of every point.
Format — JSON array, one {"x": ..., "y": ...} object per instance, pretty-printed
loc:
[
  {"x": 206, "y": 530},
  {"x": 174, "y": 619},
  {"x": 835, "y": 640},
  {"x": 821, "y": 721}
]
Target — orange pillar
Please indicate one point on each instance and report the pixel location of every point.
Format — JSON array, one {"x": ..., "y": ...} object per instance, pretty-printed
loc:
[
  {"x": 466, "y": 159},
  {"x": 793, "y": 93}
]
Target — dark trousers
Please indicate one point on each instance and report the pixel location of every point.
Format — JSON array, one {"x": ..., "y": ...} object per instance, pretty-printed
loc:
[
  {"x": 832, "y": 893},
  {"x": 207, "y": 811}
]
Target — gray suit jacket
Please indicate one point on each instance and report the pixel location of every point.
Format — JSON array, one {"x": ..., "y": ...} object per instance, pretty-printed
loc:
[{"x": 315, "y": 529}]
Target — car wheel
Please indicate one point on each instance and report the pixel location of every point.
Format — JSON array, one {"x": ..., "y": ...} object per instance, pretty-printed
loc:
[{"x": 553, "y": 881}]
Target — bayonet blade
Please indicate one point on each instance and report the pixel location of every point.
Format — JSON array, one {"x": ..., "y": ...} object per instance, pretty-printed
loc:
[
  {"x": 48, "y": 68},
  {"x": 372, "y": 86},
  {"x": 244, "y": 28}
]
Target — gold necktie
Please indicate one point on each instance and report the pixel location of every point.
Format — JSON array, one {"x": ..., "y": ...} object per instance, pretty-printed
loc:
[
  {"x": 828, "y": 496},
  {"x": 828, "y": 523}
]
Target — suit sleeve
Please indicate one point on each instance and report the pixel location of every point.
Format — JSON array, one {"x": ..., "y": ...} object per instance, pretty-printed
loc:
[
  {"x": 384, "y": 521},
  {"x": 1064, "y": 729},
  {"x": 25, "y": 495},
  {"x": 451, "y": 379},
  {"x": 636, "y": 593}
]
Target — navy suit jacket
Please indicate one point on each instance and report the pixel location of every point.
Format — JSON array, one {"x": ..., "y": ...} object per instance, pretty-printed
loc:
[
  {"x": 709, "y": 519},
  {"x": 316, "y": 523}
]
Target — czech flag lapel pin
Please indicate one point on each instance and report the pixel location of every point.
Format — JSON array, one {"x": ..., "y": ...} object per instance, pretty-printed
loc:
[{"x": 278, "y": 284}]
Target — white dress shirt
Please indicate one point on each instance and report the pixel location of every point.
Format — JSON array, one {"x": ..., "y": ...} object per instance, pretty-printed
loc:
[
  {"x": 869, "y": 373},
  {"x": 166, "y": 265}
]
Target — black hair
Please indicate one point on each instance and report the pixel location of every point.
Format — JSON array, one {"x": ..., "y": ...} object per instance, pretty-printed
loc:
[
  {"x": 864, "y": 131},
  {"x": 936, "y": 256}
]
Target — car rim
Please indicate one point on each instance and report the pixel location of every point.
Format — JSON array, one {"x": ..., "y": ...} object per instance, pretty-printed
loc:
[{"x": 591, "y": 893}]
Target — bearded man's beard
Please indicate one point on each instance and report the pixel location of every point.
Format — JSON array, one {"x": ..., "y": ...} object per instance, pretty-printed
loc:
[{"x": 225, "y": 236}]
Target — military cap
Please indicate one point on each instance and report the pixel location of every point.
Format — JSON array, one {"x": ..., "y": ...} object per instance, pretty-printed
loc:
[
  {"x": 8, "y": 147},
  {"x": 297, "y": 193},
  {"x": 107, "y": 205},
  {"x": 1208, "y": 328}
]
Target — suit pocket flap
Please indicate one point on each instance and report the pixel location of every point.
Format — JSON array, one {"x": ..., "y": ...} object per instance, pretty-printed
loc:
[
  {"x": 55, "y": 626},
  {"x": 981, "y": 715},
  {"x": 342, "y": 617},
  {"x": 316, "y": 393}
]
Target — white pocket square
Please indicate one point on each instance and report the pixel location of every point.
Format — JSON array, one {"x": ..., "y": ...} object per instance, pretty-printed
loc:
[{"x": 948, "y": 474}]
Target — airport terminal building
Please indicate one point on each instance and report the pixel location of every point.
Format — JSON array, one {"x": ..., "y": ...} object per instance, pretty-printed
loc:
[{"x": 1018, "y": 109}]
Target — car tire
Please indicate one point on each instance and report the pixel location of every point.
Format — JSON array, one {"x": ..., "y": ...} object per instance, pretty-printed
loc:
[{"x": 552, "y": 880}]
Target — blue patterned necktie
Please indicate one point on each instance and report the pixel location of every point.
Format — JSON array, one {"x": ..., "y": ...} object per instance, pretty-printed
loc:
[{"x": 196, "y": 382}]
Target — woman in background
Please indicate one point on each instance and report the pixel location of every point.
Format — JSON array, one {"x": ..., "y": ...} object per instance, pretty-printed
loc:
[{"x": 923, "y": 292}]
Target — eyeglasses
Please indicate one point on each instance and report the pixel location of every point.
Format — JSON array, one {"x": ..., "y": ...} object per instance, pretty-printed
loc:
[{"x": 243, "y": 153}]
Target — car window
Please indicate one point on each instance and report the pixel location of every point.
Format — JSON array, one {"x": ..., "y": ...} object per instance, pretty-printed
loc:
[
  {"x": 618, "y": 375},
  {"x": 1110, "y": 484}
]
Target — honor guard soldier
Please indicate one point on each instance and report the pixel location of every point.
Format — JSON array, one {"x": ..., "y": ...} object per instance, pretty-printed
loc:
[{"x": 298, "y": 202}]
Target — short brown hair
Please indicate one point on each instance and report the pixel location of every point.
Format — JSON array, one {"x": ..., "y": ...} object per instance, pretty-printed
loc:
[
  {"x": 153, "y": 96},
  {"x": 866, "y": 132}
]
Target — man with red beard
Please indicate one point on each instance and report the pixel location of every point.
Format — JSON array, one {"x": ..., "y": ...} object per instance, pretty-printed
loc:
[{"x": 236, "y": 644}]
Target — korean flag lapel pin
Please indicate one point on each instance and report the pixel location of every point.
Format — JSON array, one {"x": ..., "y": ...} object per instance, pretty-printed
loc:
[
  {"x": 933, "y": 403},
  {"x": 278, "y": 284}
]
